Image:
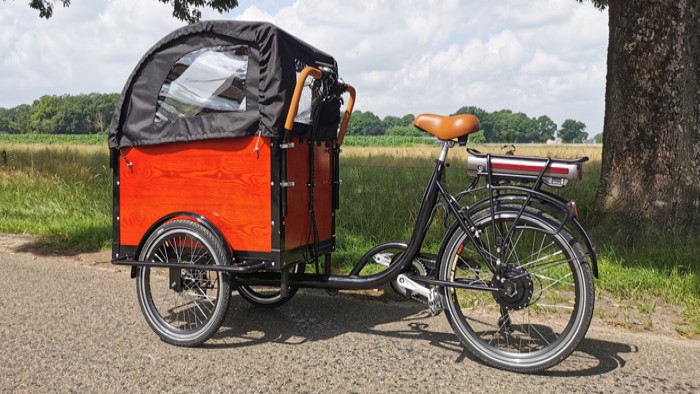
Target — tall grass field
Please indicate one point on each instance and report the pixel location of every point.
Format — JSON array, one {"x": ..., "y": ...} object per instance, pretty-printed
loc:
[
  {"x": 59, "y": 190},
  {"x": 61, "y": 194}
]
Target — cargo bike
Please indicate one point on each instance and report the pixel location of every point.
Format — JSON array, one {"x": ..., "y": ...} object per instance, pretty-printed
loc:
[{"x": 225, "y": 150}]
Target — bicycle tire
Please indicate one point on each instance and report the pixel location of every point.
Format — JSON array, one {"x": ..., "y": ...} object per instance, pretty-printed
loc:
[
  {"x": 191, "y": 312},
  {"x": 538, "y": 293}
]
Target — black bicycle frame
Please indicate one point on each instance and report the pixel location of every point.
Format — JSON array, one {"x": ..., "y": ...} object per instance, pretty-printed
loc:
[{"x": 354, "y": 281}]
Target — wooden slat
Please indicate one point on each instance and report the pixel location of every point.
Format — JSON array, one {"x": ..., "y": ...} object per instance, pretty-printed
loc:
[
  {"x": 298, "y": 230},
  {"x": 223, "y": 180}
]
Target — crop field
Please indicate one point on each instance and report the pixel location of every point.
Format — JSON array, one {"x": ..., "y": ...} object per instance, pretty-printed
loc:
[
  {"x": 59, "y": 190},
  {"x": 54, "y": 139}
]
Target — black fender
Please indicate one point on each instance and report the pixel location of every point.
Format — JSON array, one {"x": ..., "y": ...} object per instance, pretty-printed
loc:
[
  {"x": 547, "y": 199},
  {"x": 184, "y": 214}
]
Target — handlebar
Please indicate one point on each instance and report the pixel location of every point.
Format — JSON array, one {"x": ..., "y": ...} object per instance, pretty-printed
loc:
[
  {"x": 294, "y": 107},
  {"x": 296, "y": 97},
  {"x": 348, "y": 113}
]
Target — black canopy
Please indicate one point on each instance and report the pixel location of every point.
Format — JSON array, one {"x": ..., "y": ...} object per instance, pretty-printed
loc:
[{"x": 215, "y": 79}]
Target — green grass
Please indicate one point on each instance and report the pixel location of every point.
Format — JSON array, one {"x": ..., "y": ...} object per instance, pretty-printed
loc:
[
  {"x": 665, "y": 268},
  {"x": 101, "y": 139},
  {"x": 60, "y": 191},
  {"x": 54, "y": 139},
  {"x": 60, "y": 194},
  {"x": 387, "y": 140},
  {"x": 379, "y": 201}
]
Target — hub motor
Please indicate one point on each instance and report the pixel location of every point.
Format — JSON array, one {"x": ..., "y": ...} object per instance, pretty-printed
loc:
[{"x": 515, "y": 288}]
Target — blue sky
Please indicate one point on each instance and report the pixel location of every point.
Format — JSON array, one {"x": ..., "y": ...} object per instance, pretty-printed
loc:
[{"x": 540, "y": 57}]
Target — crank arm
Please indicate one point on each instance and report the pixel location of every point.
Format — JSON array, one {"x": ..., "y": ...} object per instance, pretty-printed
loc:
[
  {"x": 408, "y": 284},
  {"x": 432, "y": 295}
]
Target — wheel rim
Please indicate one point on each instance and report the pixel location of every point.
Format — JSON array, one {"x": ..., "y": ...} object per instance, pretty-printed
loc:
[
  {"x": 538, "y": 326},
  {"x": 185, "y": 312}
]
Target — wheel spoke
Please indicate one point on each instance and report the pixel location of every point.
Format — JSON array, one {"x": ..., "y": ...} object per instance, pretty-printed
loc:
[
  {"x": 541, "y": 289},
  {"x": 567, "y": 307},
  {"x": 541, "y": 259},
  {"x": 554, "y": 283},
  {"x": 513, "y": 247},
  {"x": 190, "y": 312},
  {"x": 531, "y": 326},
  {"x": 535, "y": 256}
]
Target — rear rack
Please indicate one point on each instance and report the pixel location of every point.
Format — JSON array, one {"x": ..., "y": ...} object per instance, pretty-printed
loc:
[
  {"x": 535, "y": 171},
  {"x": 580, "y": 160},
  {"x": 550, "y": 171}
]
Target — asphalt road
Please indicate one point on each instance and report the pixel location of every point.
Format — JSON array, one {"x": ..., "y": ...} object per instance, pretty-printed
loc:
[{"x": 70, "y": 324}]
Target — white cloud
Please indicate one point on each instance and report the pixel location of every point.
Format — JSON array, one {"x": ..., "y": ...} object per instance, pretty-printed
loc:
[
  {"x": 90, "y": 46},
  {"x": 544, "y": 64},
  {"x": 538, "y": 57},
  {"x": 541, "y": 13}
]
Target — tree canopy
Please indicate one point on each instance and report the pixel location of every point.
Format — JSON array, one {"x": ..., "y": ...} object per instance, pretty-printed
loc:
[
  {"x": 81, "y": 114},
  {"x": 185, "y": 10},
  {"x": 573, "y": 131},
  {"x": 506, "y": 126},
  {"x": 365, "y": 123},
  {"x": 4, "y": 122},
  {"x": 499, "y": 126},
  {"x": 91, "y": 114}
]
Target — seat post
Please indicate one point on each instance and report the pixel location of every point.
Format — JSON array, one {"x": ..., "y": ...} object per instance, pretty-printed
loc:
[{"x": 446, "y": 145}]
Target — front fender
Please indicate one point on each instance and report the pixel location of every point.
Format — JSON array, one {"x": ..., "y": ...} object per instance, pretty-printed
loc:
[{"x": 186, "y": 215}]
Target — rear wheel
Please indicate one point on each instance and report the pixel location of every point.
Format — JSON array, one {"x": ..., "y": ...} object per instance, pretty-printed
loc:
[
  {"x": 545, "y": 296},
  {"x": 184, "y": 307}
]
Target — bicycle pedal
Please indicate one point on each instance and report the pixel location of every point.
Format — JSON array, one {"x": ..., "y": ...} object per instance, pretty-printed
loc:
[{"x": 435, "y": 302}]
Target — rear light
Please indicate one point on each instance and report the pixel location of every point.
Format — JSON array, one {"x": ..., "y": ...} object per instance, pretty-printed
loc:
[{"x": 573, "y": 208}]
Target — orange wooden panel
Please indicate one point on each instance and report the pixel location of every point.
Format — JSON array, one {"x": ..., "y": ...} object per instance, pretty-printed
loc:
[
  {"x": 223, "y": 180},
  {"x": 298, "y": 229}
]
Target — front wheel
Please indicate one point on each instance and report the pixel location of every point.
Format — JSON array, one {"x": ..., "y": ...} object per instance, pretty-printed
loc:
[
  {"x": 545, "y": 296},
  {"x": 184, "y": 307}
]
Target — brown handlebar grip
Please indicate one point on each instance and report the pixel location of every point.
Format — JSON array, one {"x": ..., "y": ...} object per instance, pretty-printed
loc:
[
  {"x": 346, "y": 117},
  {"x": 294, "y": 107}
]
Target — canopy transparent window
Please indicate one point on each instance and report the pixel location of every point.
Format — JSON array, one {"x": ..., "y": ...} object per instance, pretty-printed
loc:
[{"x": 208, "y": 80}]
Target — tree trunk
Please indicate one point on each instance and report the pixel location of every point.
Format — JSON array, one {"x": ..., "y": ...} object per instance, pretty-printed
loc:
[{"x": 650, "y": 176}]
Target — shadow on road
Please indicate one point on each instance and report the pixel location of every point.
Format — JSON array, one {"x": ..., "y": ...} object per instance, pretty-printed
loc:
[
  {"x": 315, "y": 317},
  {"x": 309, "y": 318},
  {"x": 71, "y": 242},
  {"x": 593, "y": 357}
]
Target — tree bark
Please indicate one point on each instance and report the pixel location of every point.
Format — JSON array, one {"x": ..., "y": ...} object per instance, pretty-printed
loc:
[{"x": 650, "y": 177}]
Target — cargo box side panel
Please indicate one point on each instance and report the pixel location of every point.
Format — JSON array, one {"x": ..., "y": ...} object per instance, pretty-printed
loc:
[
  {"x": 224, "y": 180},
  {"x": 298, "y": 223}
]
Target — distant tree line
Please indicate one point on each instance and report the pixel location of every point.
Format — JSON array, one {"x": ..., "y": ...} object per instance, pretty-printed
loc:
[
  {"x": 91, "y": 114},
  {"x": 499, "y": 126},
  {"x": 66, "y": 114}
]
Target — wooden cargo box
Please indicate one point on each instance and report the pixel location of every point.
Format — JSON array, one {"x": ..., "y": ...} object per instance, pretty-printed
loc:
[{"x": 199, "y": 132}]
